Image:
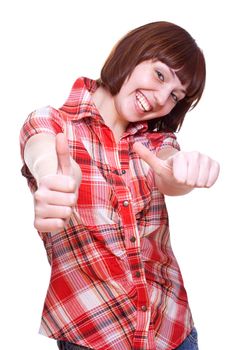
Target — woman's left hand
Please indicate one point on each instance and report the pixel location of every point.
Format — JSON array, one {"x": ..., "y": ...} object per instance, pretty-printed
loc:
[{"x": 191, "y": 169}]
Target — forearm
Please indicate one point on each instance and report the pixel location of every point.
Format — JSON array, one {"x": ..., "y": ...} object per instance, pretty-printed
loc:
[{"x": 40, "y": 155}]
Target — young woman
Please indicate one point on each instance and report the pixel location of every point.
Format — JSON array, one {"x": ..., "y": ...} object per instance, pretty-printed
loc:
[{"x": 98, "y": 168}]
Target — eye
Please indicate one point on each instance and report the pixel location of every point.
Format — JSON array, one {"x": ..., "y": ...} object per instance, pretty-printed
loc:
[
  {"x": 174, "y": 97},
  {"x": 160, "y": 75}
]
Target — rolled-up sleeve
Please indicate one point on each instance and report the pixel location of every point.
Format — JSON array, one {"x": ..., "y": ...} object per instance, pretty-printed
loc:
[
  {"x": 169, "y": 140},
  {"x": 159, "y": 141},
  {"x": 43, "y": 120}
]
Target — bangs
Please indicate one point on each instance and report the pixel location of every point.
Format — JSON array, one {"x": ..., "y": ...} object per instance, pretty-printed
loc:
[{"x": 189, "y": 64}]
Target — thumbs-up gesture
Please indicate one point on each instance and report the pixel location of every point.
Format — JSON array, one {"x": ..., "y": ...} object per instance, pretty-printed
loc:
[
  {"x": 180, "y": 172},
  {"x": 56, "y": 195}
]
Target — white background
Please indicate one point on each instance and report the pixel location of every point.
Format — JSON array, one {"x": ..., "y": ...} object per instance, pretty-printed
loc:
[{"x": 45, "y": 46}]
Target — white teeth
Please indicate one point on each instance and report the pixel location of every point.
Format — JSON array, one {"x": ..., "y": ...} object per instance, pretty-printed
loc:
[{"x": 143, "y": 103}]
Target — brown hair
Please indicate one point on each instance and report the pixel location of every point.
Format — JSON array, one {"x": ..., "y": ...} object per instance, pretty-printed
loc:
[{"x": 169, "y": 44}]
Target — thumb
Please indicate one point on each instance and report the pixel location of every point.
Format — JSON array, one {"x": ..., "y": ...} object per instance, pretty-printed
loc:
[
  {"x": 159, "y": 166},
  {"x": 63, "y": 155}
]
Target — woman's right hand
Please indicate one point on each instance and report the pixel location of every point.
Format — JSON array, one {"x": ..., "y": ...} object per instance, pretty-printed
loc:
[{"x": 56, "y": 196}]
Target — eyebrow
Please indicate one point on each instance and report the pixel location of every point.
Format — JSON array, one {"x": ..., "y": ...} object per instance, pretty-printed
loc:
[{"x": 174, "y": 75}]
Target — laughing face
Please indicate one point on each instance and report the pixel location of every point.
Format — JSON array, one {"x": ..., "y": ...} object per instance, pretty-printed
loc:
[{"x": 151, "y": 91}]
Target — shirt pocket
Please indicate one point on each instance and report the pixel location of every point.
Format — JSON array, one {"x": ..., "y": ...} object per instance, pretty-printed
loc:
[{"x": 97, "y": 203}]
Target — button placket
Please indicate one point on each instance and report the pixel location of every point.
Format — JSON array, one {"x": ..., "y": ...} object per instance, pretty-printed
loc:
[{"x": 133, "y": 252}]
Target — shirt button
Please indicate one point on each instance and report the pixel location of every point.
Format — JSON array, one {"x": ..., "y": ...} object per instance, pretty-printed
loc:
[
  {"x": 143, "y": 308},
  {"x": 137, "y": 274},
  {"x": 132, "y": 239},
  {"x": 126, "y": 203}
]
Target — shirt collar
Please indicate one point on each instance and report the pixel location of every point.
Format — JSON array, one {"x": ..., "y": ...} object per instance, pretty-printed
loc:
[{"x": 80, "y": 105}]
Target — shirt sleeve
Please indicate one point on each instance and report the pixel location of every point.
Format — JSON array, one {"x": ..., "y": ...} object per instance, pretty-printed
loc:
[
  {"x": 43, "y": 120},
  {"x": 159, "y": 141},
  {"x": 168, "y": 140}
]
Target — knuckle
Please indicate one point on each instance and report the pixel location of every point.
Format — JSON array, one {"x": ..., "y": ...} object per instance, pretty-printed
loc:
[
  {"x": 73, "y": 199},
  {"x": 71, "y": 184},
  {"x": 190, "y": 183},
  {"x": 201, "y": 182},
  {"x": 37, "y": 211},
  {"x": 38, "y": 195},
  {"x": 41, "y": 195},
  {"x": 68, "y": 212},
  {"x": 216, "y": 165},
  {"x": 37, "y": 224},
  {"x": 60, "y": 224},
  {"x": 206, "y": 160}
]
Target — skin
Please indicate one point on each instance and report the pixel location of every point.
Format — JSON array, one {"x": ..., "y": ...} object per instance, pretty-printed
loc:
[
  {"x": 177, "y": 173},
  {"x": 158, "y": 84},
  {"x": 58, "y": 178}
]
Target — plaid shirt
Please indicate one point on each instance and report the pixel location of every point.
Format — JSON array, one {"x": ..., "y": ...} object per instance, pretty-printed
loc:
[{"x": 115, "y": 283}]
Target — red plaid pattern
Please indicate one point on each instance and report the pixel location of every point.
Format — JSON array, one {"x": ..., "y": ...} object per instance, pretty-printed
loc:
[{"x": 115, "y": 283}]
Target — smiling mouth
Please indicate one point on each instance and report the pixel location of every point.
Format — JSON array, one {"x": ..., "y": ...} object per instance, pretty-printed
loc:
[{"x": 142, "y": 102}]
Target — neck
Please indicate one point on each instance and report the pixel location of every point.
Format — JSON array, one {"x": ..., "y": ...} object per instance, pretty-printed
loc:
[{"x": 104, "y": 102}]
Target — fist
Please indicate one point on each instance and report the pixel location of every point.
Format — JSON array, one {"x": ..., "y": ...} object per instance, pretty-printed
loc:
[
  {"x": 56, "y": 196},
  {"x": 191, "y": 169}
]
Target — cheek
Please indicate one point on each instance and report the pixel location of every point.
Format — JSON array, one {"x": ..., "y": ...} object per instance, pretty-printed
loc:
[{"x": 122, "y": 99}]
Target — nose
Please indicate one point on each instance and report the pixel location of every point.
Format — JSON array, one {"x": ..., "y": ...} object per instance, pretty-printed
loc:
[{"x": 162, "y": 95}]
